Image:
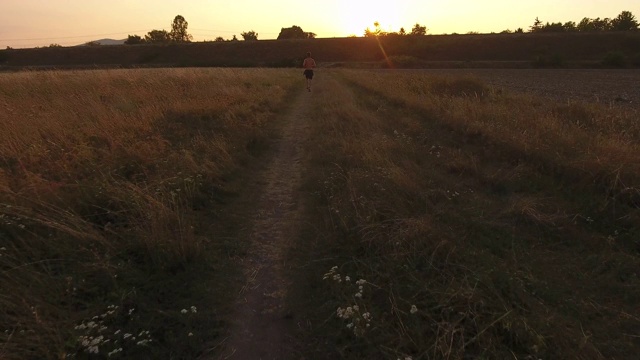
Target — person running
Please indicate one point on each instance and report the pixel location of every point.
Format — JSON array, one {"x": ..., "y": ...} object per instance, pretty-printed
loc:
[{"x": 308, "y": 66}]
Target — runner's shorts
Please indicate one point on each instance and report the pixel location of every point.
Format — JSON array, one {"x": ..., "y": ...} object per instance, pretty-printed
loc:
[{"x": 308, "y": 74}]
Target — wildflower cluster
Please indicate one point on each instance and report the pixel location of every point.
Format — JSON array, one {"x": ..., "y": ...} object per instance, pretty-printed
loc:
[
  {"x": 435, "y": 150},
  {"x": 358, "y": 319},
  {"x": 402, "y": 137},
  {"x": 6, "y": 219},
  {"x": 452, "y": 194},
  {"x": 193, "y": 310},
  {"x": 97, "y": 337}
]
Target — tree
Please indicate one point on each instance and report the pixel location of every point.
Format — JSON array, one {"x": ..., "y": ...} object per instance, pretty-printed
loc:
[
  {"x": 537, "y": 25},
  {"x": 295, "y": 32},
  {"x": 601, "y": 24},
  {"x": 552, "y": 27},
  {"x": 418, "y": 29},
  {"x": 234, "y": 38},
  {"x": 179, "y": 30},
  {"x": 402, "y": 31},
  {"x": 250, "y": 35},
  {"x": 157, "y": 36},
  {"x": 55, "y": 45},
  {"x": 376, "y": 32},
  {"x": 570, "y": 26},
  {"x": 624, "y": 22},
  {"x": 584, "y": 25},
  {"x": 134, "y": 40},
  {"x": 218, "y": 39}
]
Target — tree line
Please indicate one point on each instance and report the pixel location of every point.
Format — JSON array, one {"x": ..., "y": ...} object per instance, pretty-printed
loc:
[
  {"x": 179, "y": 34},
  {"x": 625, "y": 21},
  {"x": 416, "y": 30}
]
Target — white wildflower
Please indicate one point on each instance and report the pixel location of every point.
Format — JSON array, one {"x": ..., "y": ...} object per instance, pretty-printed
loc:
[
  {"x": 183, "y": 311},
  {"x": 414, "y": 309},
  {"x": 348, "y": 312}
]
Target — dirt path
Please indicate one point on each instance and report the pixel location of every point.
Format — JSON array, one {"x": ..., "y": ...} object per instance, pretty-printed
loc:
[{"x": 261, "y": 328}]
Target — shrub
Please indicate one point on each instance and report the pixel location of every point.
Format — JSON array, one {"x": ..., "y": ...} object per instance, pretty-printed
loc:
[
  {"x": 615, "y": 59},
  {"x": 554, "y": 60},
  {"x": 402, "y": 62},
  {"x": 4, "y": 56}
]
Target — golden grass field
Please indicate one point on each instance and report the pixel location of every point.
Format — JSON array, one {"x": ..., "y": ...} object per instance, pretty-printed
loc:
[
  {"x": 479, "y": 223},
  {"x": 509, "y": 221},
  {"x": 109, "y": 184}
]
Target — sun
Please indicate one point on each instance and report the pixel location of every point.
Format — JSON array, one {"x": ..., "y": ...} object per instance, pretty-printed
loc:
[{"x": 357, "y": 15}]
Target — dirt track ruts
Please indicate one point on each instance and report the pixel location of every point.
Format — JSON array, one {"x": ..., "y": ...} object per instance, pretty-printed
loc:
[{"x": 260, "y": 327}]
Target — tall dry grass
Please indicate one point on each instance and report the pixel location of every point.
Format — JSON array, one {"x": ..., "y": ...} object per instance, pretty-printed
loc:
[
  {"x": 481, "y": 222},
  {"x": 110, "y": 182}
]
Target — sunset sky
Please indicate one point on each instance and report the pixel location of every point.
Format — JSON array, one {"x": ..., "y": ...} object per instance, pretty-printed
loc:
[{"x": 30, "y": 23}]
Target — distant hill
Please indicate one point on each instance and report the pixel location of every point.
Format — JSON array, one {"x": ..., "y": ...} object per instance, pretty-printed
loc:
[{"x": 105, "y": 42}]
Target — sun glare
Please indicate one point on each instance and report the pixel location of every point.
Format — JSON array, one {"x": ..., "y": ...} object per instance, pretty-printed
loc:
[{"x": 357, "y": 15}]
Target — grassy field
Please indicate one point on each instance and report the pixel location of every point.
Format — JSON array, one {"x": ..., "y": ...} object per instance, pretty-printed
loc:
[
  {"x": 444, "y": 219},
  {"x": 111, "y": 189},
  {"x": 471, "y": 223}
]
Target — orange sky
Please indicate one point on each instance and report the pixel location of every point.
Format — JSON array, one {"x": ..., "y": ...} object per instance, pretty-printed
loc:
[{"x": 30, "y": 23}]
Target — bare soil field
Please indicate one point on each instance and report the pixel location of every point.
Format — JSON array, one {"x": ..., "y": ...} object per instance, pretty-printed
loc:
[{"x": 609, "y": 86}]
